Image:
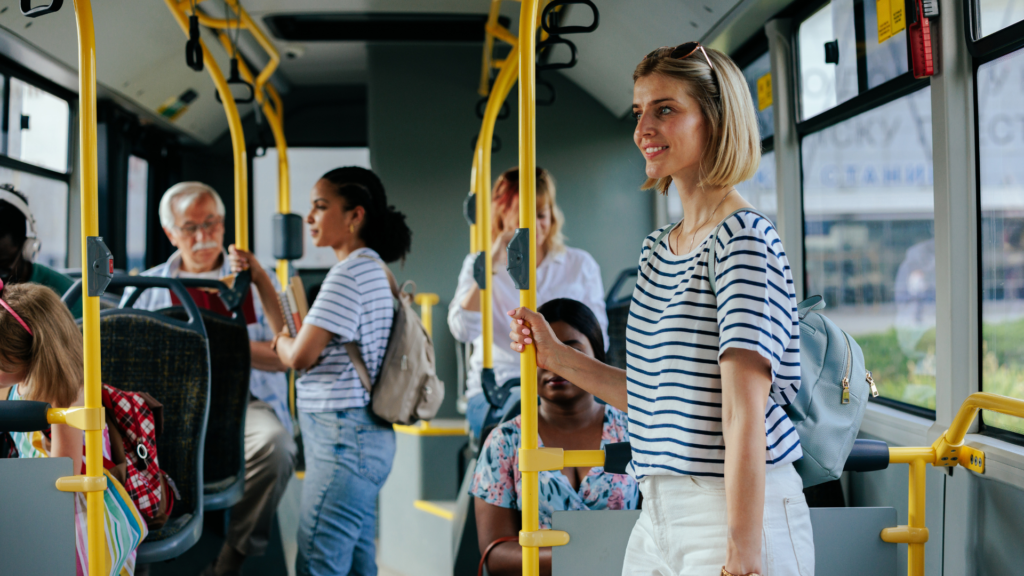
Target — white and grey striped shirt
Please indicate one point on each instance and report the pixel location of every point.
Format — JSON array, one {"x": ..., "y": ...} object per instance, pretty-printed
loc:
[
  {"x": 354, "y": 304},
  {"x": 678, "y": 330}
]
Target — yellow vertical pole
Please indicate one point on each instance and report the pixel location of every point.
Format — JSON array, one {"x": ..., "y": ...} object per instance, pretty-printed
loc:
[
  {"x": 234, "y": 128},
  {"x": 427, "y": 301},
  {"x": 90, "y": 304},
  {"x": 528, "y": 297},
  {"x": 473, "y": 228},
  {"x": 502, "y": 86},
  {"x": 915, "y": 516}
]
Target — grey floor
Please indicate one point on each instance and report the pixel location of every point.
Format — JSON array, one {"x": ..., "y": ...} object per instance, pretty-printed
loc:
[{"x": 279, "y": 559}]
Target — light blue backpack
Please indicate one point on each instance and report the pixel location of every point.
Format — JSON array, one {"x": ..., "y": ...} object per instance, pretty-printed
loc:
[{"x": 834, "y": 385}]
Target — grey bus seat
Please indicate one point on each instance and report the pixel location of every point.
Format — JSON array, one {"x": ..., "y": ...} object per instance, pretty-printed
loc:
[
  {"x": 230, "y": 368},
  {"x": 617, "y": 308},
  {"x": 466, "y": 552},
  {"x": 169, "y": 359}
]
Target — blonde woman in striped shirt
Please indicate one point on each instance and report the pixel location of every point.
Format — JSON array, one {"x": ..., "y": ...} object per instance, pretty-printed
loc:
[{"x": 707, "y": 374}]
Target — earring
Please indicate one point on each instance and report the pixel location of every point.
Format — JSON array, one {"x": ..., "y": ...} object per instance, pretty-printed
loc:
[{"x": 351, "y": 229}]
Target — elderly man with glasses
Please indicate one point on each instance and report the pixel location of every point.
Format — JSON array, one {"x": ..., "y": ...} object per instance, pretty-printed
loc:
[{"x": 192, "y": 216}]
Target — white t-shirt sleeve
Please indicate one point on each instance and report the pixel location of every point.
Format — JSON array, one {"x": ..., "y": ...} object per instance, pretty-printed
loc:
[
  {"x": 754, "y": 290},
  {"x": 465, "y": 325},
  {"x": 338, "y": 305}
]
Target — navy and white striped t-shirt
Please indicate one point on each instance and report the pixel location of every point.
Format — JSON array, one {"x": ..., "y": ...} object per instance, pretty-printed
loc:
[
  {"x": 354, "y": 304},
  {"x": 677, "y": 332}
]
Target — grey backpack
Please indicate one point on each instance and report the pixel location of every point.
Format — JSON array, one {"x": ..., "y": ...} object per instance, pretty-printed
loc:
[
  {"x": 834, "y": 385},
  {"x": 407, "y": 388}
]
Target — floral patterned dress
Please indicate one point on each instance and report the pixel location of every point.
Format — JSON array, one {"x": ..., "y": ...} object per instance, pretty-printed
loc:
[{"x": 497, "y": 479}]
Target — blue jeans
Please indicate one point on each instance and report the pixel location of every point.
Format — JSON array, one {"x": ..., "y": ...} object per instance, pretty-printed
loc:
[
  {"x": 348, "y": 457},
  {"x": 480, "y": 413}
]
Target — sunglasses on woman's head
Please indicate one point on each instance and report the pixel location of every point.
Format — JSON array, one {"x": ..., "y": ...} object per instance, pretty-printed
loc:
[{"x": 681, "y": 52}]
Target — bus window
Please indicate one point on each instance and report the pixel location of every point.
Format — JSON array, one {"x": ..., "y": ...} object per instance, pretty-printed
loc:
[
  {"x": 138, "y": 193},
  {"x": 760, "y": 190},
  {"x": 884, "y": 47},
  {"x": 306, "y": 165},
  {"x": 869, "y": 243},
  {"x": 48, "y": 201},
  {"x": 39, "y": 127},
  {"x": 1000, "y": 149},
  {"x": 824, "y": 85},
  {"x": 759, "y": 79},
  {"x": 995, "y": 15}
]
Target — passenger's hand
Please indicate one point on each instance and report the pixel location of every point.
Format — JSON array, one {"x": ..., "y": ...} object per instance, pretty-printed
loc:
[
  {"x": 243, "y": 260},
  {"x": 529, "y": 327},
  {"x": 499, "y": 249}
]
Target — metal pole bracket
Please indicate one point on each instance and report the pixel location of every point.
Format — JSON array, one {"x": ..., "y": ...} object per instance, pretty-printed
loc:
[
  {"x": 480, "y": 269},
  {"x": 469, "y": 208},
  {"x": 101, "y": 265},
  {"x": 519, "y": 259}
]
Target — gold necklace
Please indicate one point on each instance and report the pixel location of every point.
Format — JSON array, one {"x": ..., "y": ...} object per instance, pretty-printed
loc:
[{"x": 702, "y": 224}]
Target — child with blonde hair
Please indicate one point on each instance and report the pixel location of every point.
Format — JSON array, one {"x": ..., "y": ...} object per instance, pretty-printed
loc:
[{"x": 41, "y": 359}]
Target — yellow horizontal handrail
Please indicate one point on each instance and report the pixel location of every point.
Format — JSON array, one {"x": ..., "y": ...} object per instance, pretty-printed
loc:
[
  {"x": 246, "y": 23},
  {"x": 948, "y": 450}
]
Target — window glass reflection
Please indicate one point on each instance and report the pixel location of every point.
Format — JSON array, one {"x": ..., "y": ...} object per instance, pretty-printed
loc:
[
  {"x": 1001, "y": 148},
  {"x": 824, "y": 85},
  {"x": 138, "y": 193},
  {"x": 869, "y": 239},
  {"x": 759, "y": 79},
  {"x": 38, "y": 127},
  {"x": 994, "y": 15}
]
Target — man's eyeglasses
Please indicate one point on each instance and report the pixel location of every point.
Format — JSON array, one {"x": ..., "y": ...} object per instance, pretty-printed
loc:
[
  {"x": 681, "y": 52},
  {"x": 190, "y": 229}
]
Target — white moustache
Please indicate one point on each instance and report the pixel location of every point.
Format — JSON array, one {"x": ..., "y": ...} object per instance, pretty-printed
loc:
[{"x": 205, "y": 246}]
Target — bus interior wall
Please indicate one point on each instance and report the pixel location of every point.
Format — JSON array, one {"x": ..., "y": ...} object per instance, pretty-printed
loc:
[{"x": 421, "y": 132}]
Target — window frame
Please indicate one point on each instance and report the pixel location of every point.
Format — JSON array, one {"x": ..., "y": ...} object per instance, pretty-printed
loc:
[
  {"x": 991, "y": 47},
  {"x": 866, "y": 100},
  {"x": 996, "y": 44},
  {"x": 11, "y": 70}
]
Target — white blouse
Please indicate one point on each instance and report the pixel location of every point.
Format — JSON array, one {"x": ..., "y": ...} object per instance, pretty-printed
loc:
[{"x": 570, "y": 274}]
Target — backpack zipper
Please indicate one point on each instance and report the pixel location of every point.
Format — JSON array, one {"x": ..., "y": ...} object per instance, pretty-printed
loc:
[
  {"x": 846, "y": 371},
  {"x": 871, "y": 382}
]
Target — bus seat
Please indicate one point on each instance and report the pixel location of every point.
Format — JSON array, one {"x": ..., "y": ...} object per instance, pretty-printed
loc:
[
  {"x": 149, "y": 352},
  {"x": 617, "y": 308},
  {"x": 466, "y": 553},
  {"x": 230, "y": 367}
]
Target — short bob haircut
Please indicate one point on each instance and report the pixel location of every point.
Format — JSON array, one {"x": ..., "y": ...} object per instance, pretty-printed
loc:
[{"x": 733, "y": 151}]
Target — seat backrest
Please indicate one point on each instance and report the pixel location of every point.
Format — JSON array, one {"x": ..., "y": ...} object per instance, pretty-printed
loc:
[
  {"x": 147, "y": 352},
  {"x": 617, "y": 308},
  {"x": 230, "y": 368}
]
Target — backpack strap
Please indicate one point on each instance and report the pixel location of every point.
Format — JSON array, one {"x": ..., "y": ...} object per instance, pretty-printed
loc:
[
  {"x": 714, "y": 244},
  {"x": 352, "y": 348}
]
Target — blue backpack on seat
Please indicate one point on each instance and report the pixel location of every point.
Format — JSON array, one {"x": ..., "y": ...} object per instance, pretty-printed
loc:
[{"x": 834, "y": 386}]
